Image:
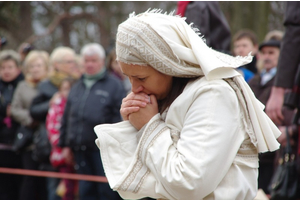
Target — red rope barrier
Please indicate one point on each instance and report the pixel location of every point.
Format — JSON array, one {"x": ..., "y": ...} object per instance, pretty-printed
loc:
[{"x": 28, "y": 172}]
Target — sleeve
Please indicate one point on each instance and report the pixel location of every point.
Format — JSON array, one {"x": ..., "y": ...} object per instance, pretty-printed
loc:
[
  {"x": 194, "y": 166},
  {"x": 3, "y": 105},
  {"x": 119, "y": 94},
  {"x": 211, "y": 22},
  {"x": 52, "y": 121},
  {"x": 3, "y": 109},
  {"x": 64, "y": 124},
  {"x": 209, "y": 139},
  {"x": 198, "y": 14},
  {"x": 18, "y": 112},
  {"x": 289, "y": 58},
  {"x": 39, "y": 107}
]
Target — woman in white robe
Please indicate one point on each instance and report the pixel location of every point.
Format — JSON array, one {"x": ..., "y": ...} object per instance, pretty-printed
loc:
[{"x": 192, "y": 127}]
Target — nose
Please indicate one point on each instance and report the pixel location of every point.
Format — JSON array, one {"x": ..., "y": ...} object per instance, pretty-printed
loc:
[{"x": 135, "y": 87}]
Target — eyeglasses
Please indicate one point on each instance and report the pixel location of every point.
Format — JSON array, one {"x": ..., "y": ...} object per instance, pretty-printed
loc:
[{"x": 68, "y": 62}]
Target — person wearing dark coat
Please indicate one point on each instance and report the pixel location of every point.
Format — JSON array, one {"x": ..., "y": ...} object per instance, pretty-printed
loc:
[
  {"x": 208, "y": 17},
  {"x": 35, "y": 70},
  {"x": 95, "y": 99},
  {"x": 10, "y": 76},
  {"x": 62, "y": 61},
  {"x": 261, "y": 85},
  {"x": 289, "y": 61},
  {"x": 288, "y": 70}
]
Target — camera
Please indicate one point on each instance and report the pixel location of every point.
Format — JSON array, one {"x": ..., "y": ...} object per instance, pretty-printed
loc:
[
  {"x": 27, "y": 48},
  {"x": 3, "y": 41}
]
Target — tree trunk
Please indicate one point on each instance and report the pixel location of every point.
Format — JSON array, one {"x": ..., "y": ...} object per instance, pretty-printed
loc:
[
  {"x": 65, "y": 26},
  {"x": 25, "y": 21},
  {"x": 253, "y": 15}
]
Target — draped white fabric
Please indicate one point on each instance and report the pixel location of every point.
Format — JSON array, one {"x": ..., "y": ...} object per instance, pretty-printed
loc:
[
  {"x": 205, "y": 146},
  {"x": 187, "y": 46},
  {"x": 198, "y": 149}
]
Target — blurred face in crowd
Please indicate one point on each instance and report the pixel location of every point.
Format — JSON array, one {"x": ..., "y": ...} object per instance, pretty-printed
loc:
[
  {"x": 37, "y": 69},
  {"x": 78, "y": 71},
  {"x": 93, "y": 64},
  {"x": 116, "y": 68},
  {"x": 147, "y": 80},
  {"x": 65, "y": 88},
  {"x": 269, "y": 56},
  {"x": 243, "y": 47},
  {"x": 67, "y": 65},
  {"x": 9, "y": 70}
]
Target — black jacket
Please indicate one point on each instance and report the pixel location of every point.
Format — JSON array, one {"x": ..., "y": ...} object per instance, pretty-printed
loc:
[
  {"x": 289, "y": 59},
  {"x": 252, "y": 65},
  {"x": 40, "y": 104},
  {"x": 7, "y": 89},
  {"x": 211, "y": 22},
  {"x": 86, "y": 108}
]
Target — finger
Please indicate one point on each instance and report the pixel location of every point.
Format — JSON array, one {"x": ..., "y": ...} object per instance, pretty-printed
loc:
[
  {"x": 127, "y": 111},
  {"x": 272, "y": 115},
  {"x": 134, "y": 103},
  {"x": 277, "y": 118},
  {"x": 280, "y": 115},
  {"x": 139, "y": 96},
  {"x": 153, "y": 100}
]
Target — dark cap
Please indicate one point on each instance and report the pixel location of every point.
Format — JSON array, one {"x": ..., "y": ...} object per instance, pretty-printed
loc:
[{"x": 270, "y": 43}]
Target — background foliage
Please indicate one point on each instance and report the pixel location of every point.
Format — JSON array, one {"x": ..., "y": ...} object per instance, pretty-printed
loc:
[{"x": 48, "y": 24}]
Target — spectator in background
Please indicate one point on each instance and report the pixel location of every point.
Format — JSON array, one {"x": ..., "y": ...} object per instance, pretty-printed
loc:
[
  {"x": 11, "y": 75},
  {"x": 115, "y": 69},
  {"x": 63, "y": 62},
  {"x": 94, "y": 99},
  {"x": 288, "y": 72},
  {"x": 288, "y": 64},
  {"x": 210, "y": 20},
  {"x": 261, "y": 85},
  {"x": 245, "y": 42},
  {"x": 53, "y": 124},
  {"x": 35, "y": 70}
]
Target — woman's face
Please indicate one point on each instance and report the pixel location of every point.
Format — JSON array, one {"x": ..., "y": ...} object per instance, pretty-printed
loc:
[
  {"x": 9, "y": 70},
  {"x": 67, "y": 65},
  {"x": 244, "y": 46},
  {"x": 116, "y": 66},
  {"x": 147, "y": 80},
  {"x": 65, "y": 88},
  {"x": 37, "y": 69}
]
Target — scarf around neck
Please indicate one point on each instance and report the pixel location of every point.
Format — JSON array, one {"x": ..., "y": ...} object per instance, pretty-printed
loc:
[
  {"x": 89, "y": 80},
  {"x": 171, "y": 46},
  {"x": 57, "y": 77}
]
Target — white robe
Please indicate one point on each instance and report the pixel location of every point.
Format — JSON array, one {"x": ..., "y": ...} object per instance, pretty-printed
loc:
[{"x": 198, "y": 149}]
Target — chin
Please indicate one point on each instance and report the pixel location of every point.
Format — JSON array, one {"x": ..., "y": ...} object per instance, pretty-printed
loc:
[
  {"x": 159, "y": 98},
  {"x": 90, "y": 73}
]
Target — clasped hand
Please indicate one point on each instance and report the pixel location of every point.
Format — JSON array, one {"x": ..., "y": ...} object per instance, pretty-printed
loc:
[{"x": 138, "y": 109}]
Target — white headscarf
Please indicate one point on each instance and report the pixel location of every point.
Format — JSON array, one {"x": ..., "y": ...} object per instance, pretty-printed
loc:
[{"x": 168, "y": 44}]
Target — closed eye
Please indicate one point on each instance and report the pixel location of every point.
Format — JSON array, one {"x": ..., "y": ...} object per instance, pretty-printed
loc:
[{"x": 142, "y": 79}]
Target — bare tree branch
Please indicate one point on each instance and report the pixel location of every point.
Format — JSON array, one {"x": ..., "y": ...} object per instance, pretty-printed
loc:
[{"x": 56, "y": 22}]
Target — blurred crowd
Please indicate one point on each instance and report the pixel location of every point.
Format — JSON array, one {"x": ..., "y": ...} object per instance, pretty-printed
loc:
[{"x": 50, "y": 103}]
